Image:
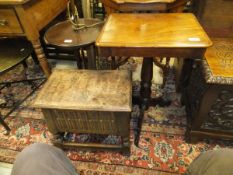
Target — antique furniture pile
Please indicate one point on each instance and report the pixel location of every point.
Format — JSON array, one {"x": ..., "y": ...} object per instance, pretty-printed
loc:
[{"x": 100, "y": 101}]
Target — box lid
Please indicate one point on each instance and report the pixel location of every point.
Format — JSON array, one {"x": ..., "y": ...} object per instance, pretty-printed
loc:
[{"x": 102, "y": 90}]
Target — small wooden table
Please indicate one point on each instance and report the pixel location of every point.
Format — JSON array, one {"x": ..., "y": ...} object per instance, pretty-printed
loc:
[
  {"x": 149, "y": 35},
  {"x": 27, "y": 18},
  {"x": 88, "y": 101},
  {"x": 63, "y": 36},
  {"x": 112, "y": 6}
]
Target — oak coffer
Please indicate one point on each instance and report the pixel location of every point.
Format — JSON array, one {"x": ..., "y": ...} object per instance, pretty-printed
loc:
[{"x": 88, "y": 101}]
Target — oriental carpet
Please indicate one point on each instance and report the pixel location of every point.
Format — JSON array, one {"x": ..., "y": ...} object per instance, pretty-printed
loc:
[{"x": 163, "y": 149}]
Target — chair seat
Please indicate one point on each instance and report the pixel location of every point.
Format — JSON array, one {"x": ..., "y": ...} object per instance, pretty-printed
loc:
[
  {"x": 13, "y": 51},
  {"x": 112, "y": 6}
]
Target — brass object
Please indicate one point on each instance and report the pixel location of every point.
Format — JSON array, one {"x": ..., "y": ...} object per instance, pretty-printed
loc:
[{"x": 73, "y": 16}]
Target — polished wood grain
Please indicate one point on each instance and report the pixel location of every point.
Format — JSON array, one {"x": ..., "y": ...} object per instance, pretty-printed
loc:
[
  {"x": 32, "y": 16},
  {"x": 42, "y": 12},
  {"x": 86, "y": 90},
  {"x": 176, "y": 30},
  {"x": 220, "y": 57},
  {"x": 63, "y": 35}
]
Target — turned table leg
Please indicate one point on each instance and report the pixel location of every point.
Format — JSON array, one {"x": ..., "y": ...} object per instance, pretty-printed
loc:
[
  {"x": 91, "y": 56},
  {"x": 41, "y": 57},
  {"x": 145, "y": 92},
  {"x": 146, "y": 78}
]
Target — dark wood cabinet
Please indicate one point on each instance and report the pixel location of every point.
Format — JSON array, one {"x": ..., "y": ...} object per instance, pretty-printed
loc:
[{"x": 209, "y": 94}]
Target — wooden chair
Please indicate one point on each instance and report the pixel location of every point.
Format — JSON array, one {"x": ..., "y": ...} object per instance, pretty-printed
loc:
[
  {"x": 112, "y": 6},
  {"x": 13, "y": 51}
]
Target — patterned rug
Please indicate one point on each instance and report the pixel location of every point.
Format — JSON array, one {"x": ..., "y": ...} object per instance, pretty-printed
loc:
[{"x": 163, "y": 149}]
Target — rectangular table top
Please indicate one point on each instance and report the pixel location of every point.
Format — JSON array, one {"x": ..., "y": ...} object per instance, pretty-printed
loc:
[
  {"x": 72, "y": 89},
  {"x": 164, "y": 30}
]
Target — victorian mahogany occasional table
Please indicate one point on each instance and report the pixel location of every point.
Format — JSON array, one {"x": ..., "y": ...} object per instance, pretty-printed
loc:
[
  {"x": 63, "y": 36},
  {"x": 149, "y": 35}
]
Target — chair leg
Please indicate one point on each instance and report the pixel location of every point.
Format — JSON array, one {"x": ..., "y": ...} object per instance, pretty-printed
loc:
[
  {"x": 78, "y": 58},
  {"x": 4, "y": 125},
  {"x": 85, "y": 61},
  {"x": 91, "y": 57},
  {"x": 113, "y": 63}
]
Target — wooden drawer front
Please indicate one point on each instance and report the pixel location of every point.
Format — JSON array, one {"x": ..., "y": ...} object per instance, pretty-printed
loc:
[{"x": 9, "y": 22}]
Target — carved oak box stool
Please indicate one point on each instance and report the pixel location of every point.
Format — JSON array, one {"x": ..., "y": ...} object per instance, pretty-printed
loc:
[
  {"x": 210, "y": 93},
  {"x": 88, "y": 102}
]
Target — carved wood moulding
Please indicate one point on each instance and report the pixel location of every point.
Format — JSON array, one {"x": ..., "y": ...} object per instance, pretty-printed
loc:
[
  {"x": 210, "y": 78},
  {"x": 218, "y": 64}
]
